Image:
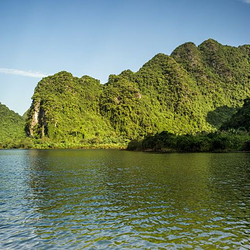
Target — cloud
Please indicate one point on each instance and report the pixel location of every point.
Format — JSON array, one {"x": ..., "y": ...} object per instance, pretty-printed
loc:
[
  {"x": 22, "y": 73},
  {"x": 246, "y": 1}
]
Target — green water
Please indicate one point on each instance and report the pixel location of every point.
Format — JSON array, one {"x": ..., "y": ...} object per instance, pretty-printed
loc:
[{"x": 111, "y": 199}]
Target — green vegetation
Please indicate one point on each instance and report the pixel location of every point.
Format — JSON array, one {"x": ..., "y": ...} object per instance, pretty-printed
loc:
[
  {"x": 240, "y": 120},
  {"x": 66, "y": 113},
  {"x": 11, "y": 128},
  {"x": 196, "y": 89},
  {"x": 232, "y": 136},
  {"x": 202, "y": 142}
]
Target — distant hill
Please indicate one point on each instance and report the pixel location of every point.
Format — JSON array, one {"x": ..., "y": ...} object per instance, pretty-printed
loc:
[
  {"x": 194, "y": 89},
  {"x": 11, "y": 126}
]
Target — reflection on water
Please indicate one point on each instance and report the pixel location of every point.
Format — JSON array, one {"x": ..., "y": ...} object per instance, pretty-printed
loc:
[{"x": 110, "y": 199}]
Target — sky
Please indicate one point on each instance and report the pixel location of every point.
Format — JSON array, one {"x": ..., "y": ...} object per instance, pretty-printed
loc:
[{"x": 103, "y": 37}]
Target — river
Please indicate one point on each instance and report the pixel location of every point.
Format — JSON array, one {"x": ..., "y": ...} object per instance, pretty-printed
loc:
[{"x": 111, "y": 199}]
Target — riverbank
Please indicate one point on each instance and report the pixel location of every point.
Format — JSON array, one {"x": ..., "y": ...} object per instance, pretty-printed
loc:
[
  {"x": 28, "y": 143},
  {"x": 221, "y": 141}
]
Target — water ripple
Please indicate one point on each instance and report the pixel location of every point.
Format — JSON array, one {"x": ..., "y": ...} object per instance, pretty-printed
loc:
[{"x": 97, "y": 199}]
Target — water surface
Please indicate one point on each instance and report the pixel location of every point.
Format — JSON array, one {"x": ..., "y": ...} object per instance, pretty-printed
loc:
[{"x": 111, "y": 199}]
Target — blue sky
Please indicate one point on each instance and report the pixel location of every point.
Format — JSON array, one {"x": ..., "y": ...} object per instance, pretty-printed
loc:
[{"x": 103, "y": 37}]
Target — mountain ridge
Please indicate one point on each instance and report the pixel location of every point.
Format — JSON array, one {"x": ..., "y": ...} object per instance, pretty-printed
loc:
[
  {"x": 171, "y": 93},
  {"x": 195, "y": 89}
]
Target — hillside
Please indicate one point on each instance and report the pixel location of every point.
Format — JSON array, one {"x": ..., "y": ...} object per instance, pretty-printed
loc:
[
  {"x": 222, "y": 74},
  {"x": 11, "y": 126},
  {"x": 195, "y": 89},
  {"x": 241, "y": 119},
  {"x": 66, "y": 109},
  {"x": 233, "y": 135}
]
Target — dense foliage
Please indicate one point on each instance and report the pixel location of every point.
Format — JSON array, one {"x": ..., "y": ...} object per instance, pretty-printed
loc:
[
  {"x": 195, "y": 89},
  {"x": 11, "y": 128},
  {"x": 240, "y": 120},
  {"x": 65, "y": 109},
  {"x": 232, "y": 136},
  {"x": 202, "y": 142}
]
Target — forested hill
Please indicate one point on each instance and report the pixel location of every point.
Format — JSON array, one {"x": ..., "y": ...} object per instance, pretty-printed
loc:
[
  {"x": 234, "y": 135},
  {"x": 11, "y": 126},
  {"x": 181, "y": 93}
]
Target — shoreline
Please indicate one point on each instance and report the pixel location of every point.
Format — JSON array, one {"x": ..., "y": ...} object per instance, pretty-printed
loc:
[{"x": 124, "y": 148}]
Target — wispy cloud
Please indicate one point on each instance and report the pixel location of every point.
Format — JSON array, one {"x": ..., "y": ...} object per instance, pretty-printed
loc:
[
  {"x": 22, "y": 73},
  {"x": 246, "y": 1}
]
